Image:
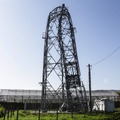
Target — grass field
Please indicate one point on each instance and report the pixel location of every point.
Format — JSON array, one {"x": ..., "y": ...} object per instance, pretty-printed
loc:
[{"x": 27, "y": 115}]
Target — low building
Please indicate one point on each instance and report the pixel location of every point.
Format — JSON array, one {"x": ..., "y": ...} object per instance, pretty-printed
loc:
[{"x": 33, "y": 96}]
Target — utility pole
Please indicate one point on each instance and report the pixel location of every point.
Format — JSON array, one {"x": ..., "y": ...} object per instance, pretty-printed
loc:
[{"x": 89, "y": 77}]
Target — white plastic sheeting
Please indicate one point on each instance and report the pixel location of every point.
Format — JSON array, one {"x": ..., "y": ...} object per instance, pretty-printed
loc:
[{"x": 104, "y": 105}]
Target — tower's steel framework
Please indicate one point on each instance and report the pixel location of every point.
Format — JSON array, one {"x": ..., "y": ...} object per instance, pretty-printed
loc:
[{"x": 61, "y": 74}]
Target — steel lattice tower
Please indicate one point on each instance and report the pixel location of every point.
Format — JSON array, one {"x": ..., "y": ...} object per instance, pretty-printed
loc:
[{"x": 61, "y": 74}]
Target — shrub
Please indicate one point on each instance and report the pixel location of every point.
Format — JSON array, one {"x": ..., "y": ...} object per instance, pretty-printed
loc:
[{"x": 2, "y": 109}]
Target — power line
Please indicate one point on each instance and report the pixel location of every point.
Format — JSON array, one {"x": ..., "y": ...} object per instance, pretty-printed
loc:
[{"x": 106, "y": 56}]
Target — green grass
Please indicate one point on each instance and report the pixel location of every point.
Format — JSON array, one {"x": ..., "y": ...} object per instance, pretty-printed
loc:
[{"x": 28, "y": 115}]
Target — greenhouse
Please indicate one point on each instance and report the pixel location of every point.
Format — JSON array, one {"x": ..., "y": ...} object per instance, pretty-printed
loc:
[{"x": 34, "y": 96}]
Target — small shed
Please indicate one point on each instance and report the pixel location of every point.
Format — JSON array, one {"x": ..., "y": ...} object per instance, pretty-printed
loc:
[{"x": 104, "y": 104}]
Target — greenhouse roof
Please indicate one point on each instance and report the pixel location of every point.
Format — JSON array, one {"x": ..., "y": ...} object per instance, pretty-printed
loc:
[{"x": 20, "y": 92}]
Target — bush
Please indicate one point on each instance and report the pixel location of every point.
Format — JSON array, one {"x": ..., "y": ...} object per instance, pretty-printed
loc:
[{"x": 2, "y": 109}]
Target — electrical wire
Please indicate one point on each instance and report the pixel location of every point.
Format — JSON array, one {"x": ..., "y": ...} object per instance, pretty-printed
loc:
[{"x": 106, "y": 57}]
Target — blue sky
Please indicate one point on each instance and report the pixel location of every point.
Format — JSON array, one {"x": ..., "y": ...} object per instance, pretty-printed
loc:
[{"x": 22, "y": 23}]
